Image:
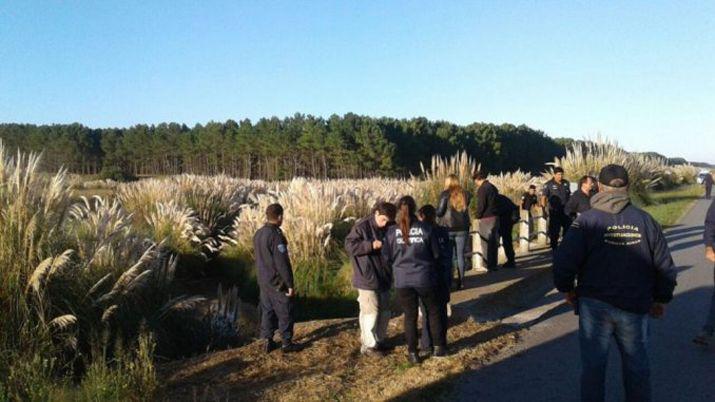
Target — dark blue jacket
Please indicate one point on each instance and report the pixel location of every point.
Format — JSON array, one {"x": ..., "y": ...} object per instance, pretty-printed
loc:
[
  {"x": 415, "y": 265},
  {"x": 709, "y": 234},
  {"x": 272, "y": 260},
  {"x": 445, "y": 260},
  {"x": 369, "y": 270},
  {"x": 619, "y": 258}
]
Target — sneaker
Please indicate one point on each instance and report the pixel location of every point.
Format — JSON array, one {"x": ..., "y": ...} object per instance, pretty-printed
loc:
[
  {"x": 439, "y": 352},
  {"x": 269, "y": 346},
  {"x": 703, "y": 339},
  {"x": 290, "y": 347},
  {"x": 414, "y": 358},
  {"x": 373, "y": 352}
]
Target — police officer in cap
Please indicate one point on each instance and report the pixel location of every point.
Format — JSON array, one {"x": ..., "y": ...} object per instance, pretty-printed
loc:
[
  {"x": 555, "y": 196},
  {"x": 275, "y": 281},
  {"x": 615, "y": 267}
]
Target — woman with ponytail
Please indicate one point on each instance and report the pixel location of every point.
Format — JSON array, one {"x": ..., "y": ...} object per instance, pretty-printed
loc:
[
  {"x": 453, "y": 211},
  {"x": 412, "y": 250}
]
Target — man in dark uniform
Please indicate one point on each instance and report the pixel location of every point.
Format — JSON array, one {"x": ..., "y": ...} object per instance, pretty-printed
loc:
[
  {"x": 614, "y": 265},
  {"x": 529, "y": 199},
  {"x": 275, "y": 281},
  {"x": 555, "y": 196},
  {"x": 508, "y": 217},
  {"x": 708, "y": 183},
  {"x": 580, "y": 201}
]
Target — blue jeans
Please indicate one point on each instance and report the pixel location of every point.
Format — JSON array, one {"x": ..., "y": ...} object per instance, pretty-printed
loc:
[
  {"x": 710, "y": 323},
  {"x": 458, "y": 241},
  {"x": 600, "y": 322}
]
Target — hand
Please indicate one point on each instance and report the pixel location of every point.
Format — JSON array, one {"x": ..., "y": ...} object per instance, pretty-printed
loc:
[
  {"x": 710, "y": 254},
  {"x": 657, "y": 310},
  {"x": 376, "y": 244},
  {"x": 290, "y": 293},
  {"x": 571, "y": 297}
]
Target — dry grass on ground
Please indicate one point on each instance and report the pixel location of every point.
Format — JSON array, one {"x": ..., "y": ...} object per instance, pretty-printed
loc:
[{"x": 331, "y": 367}]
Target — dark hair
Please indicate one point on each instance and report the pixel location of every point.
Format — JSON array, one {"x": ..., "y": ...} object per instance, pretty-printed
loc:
[
  {"x": 532, "y": 186},
  {"x": 558, "y": 169},
  {"x": 428, "y": 214},
  {"x": 479, "y": 176},
  {"x": 274, "y": 211},
  {"x": 387, "y": 209},
  {"x": 584, "y": 179},
  {"x": 407, "y": 207}
]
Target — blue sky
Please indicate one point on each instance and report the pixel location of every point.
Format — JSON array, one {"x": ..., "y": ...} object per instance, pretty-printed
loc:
[{"x": 640, "y": 72}]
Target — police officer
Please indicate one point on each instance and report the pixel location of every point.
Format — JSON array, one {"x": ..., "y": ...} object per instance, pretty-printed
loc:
[
  {"x": 620, "y": 257},
  {"x": 529, "y": 199},
  {"x": 411, "y": 248},
  {"x": 580, "y": 201},
  {"x": 428, "y": 214},
  {"x": 555, "y": 196},
  {"x": 275, "y": 281}
]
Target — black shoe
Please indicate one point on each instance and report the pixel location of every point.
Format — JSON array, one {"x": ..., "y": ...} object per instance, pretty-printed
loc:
[
  {"x": 510, "y": 264},
  {"x": 373, "y": 352},
  {"x": 384, "y": 347},
  {"x": 269, "y": 346},
  {"x": 413, "y": 358},
  {"x": 459, "y": 285},
  {"x": 290, "y": 348},
  {"x": 439, "y": 351}
]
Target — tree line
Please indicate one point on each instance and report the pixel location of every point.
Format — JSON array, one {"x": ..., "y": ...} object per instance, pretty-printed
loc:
[{"x": 349, "y": 146}]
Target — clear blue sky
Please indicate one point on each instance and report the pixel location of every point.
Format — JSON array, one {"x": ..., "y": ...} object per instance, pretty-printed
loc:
[{"x": 641, "y": 72}]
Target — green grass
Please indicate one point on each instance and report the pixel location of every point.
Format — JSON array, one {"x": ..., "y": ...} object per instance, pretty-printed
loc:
[{"x": 669, "y": 206}]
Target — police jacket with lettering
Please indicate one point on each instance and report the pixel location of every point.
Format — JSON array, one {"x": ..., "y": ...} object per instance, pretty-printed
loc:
[
  {"x": 414, "y": 264},
  {"x": 557, "y": 194},
  {"x": 369, "y": 270},
  {"x": 619, "y": 256},
  {"x": 709, "y": 235},
  {"x": 453, "y": 220},
  {"x": 272, "y": 261}
]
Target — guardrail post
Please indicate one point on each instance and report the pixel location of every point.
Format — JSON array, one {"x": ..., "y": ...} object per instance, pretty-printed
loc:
[
  {"x": 524, "y": 231},
  {"x": 478, "y": 262}
]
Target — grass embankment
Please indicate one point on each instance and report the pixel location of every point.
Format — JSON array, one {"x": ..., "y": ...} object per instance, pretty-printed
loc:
[
  {"x": 669, "y": 206},
  {"x": 331, "y": 367}
]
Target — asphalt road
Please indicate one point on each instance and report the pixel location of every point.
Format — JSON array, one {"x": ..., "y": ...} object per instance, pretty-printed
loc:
[{"x": 545, "y": 364}]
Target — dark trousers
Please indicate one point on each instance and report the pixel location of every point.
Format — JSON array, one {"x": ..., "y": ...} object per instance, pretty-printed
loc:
[
  {"x": 489, "y": 236},
  {"x": 507, "y": 239},
  {"x": 558, "y": 221},
  {"x": 426, "y": 337},
  {"x": 276, "y": 313},
  {"x": 708, "y": 192},
  {"x": 409, "y": 300}
]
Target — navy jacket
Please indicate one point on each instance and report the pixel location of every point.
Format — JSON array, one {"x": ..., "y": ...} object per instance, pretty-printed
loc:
[
  {"x": 621, "y": 259},
  {"x": 445, "y": 261},
  {"x": 709, "y": 234},
  {"x": 487, "y": 201},
  {"x": 557, "y": 194},
  {"x": 415, "y": 265},
  {"x": 369, "y": 270},
  {"x": 272, "y": 261}
]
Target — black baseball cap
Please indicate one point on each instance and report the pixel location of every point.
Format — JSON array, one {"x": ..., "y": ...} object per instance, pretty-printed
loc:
[{"x": 613, "y": 176}]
